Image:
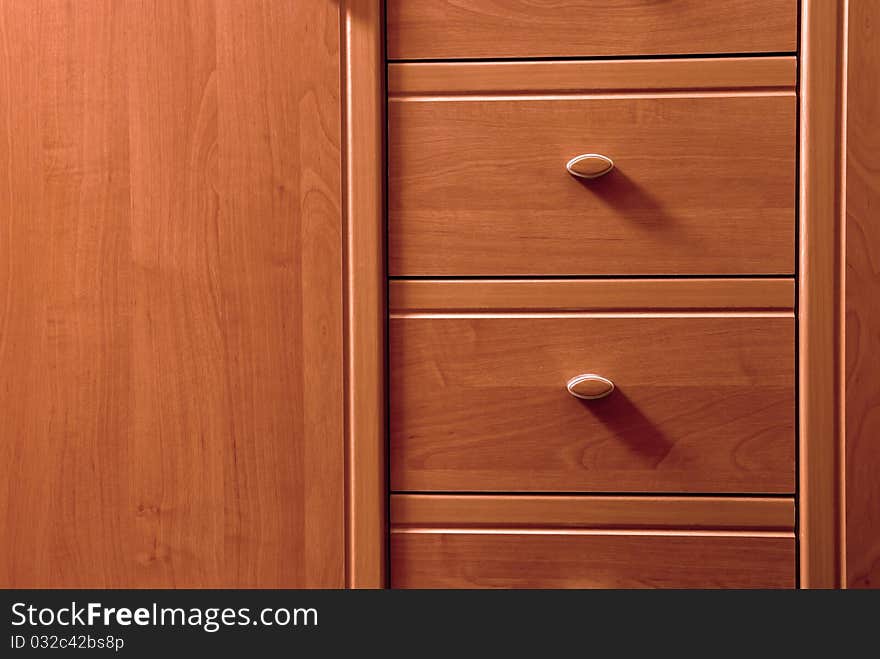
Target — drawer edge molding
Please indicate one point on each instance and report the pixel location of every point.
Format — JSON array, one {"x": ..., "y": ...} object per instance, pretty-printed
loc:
[
  {"x": 683, "y": 513},
  {"x": 736, "y": 73},
  {"x": 450, "y": 295}
]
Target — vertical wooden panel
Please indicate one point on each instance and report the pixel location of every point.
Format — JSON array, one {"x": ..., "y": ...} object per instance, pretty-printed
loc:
[
  {"x": 365, "y": 286},
  {"x": 171, "y": 294},
  {"x": 862, "y": 535},
  {"x": 66, "y": 306},
  {"x": 819, "y": 290}
]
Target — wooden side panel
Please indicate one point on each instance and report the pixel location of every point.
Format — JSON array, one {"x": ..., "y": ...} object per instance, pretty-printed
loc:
[
  {"x": 702, "y": 404},
  {"x": 582, "y": 28},
  {"x": 703, "y": 184},
  {"x": 171, "y": 309},
  {"x": 493, "y": 558},
  {"x": 862, "y": 317}
]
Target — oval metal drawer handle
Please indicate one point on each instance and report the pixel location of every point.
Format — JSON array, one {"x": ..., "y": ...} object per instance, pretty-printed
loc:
[
  {"x": 589, "y": 386},
  {"x": 589, "y": 165}
]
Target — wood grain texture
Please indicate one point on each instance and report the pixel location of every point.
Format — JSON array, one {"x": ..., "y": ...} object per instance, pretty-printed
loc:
[
  {"x": 365, "y": 286},
  {"x": 171, "y": 294},
  {"x": 819, "y": 292},
  {"x": 590, "y": 294},
  {"x": 443, "y": 29},
  {"x": 701, "y": 405},
  {"x": 462, "y": 558},
  {"x": 591, "y": 512},
  {"x": 599, "y": 75},
  {"x": 703, "y": 184},
  {"x": 862, "y": 317}
]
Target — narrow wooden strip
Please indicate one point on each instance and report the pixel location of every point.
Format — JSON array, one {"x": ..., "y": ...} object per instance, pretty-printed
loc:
[
  {"x": 590, "y": 295},
  {"x": 529, "y": 95},
  {"x": 364, "y": 289},
  {"x": 508, "y": 315},
  {"x": 819, "y": 290},
  {"x": 551, "y": 531},
  {"x": 596, "y": 512},
  {"x": 656, "y": 74}
]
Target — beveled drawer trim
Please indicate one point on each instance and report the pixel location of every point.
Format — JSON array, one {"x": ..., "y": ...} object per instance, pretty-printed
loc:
[
  {"x": 440, "y": 295},
  {"x": 592, "y": 512},
  {"x": 779, "y": 73}
]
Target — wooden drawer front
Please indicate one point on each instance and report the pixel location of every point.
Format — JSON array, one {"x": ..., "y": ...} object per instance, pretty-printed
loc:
[
  {"x": 702, "y": 184},
  {"x": 447, "y": 29},
  {"x": 704, "y": 402},
  {"x": 479, "y": 541},
  {"x": 500, "y": 558}
]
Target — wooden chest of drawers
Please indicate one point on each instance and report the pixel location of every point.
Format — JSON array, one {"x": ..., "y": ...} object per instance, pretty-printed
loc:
[
  {"x": 440, "y": 293},
  {"x": 627, "y": 224}
]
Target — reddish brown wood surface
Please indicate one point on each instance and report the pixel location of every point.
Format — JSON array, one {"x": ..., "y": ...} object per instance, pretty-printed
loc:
[
  {"x": 170, "y": 294},
  {"x": 702, "y": 404},
  {"x": 365, "y": 286},
  {"x": 591, "y": 294},
  {"x": 591, "y": 512},
  {"x": 592, "y": 75},
  {"x": 862, "y": 295},
  {"x": 495, "y": 558},
  {"x": 819, "y": 292},
  {"x": 702, "y": 184},
  {"x": 580, "y": 28}
]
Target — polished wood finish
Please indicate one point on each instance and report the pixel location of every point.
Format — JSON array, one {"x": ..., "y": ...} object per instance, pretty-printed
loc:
[
  {"x": 364, "y": 288},
  {"x": 591, "y": 512},
  {"x": 443, "y": 29},
  {"x": 704, "y": 403},
  {"x": 519, "y": 558},
  {"x": 171, "y": 311},
  {"x": 862, "y": 313},
  {"x": 702, "y": 184},
  {"x": 430, "y": 78},
  {"x": 819, "y": 281},
  {"x": 591, "y": 294}
]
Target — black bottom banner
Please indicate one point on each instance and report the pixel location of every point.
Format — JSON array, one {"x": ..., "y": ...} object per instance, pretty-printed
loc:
[{"x": 280, "y": 622}]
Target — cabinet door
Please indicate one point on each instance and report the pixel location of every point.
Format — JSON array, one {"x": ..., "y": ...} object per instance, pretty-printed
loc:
[{"x": 170, "y": 294}]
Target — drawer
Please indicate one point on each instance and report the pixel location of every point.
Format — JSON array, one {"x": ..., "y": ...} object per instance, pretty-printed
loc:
[
  {"x": 704, "y": 181},
  {"x": 470, "y": 541},
  {"x": 703, "y": 402},
  {"x": 447, "y": 29},
  {"x": 561, "y": 558}
]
